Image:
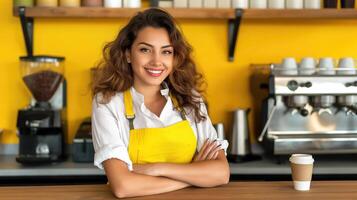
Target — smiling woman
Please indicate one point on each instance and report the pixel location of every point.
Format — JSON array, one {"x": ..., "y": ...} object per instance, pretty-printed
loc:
[{"x": 151, "y": 131}]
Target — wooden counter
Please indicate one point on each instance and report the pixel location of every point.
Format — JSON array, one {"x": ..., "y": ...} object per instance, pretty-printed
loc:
[{"x": 235, "y": 190}]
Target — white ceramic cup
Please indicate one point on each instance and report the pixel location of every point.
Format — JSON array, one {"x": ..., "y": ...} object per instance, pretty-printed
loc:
[
  {"x": 326, "y": 66},
  {"x": 289, "y": 63},
  {"x": 243, "y": 4},
  {"x": 346, "y": 62},
  {"x": 307, "y": 66},
  {"x": 312, "y": 4},
  {"x": 113, "y": 3},
  {"x": 301, "y": 169},
  {"x": 288, "y": 66},
  {"x": 294, "y": 4},
  {"x": 276, "y": 4},
  {"x": 258, "y": 4},
  {"x": 132, "y": 3},
  {"x": 346, "y": 66}
]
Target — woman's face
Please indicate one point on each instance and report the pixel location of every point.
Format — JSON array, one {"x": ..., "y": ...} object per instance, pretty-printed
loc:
[{"x": 151, "y": 57}]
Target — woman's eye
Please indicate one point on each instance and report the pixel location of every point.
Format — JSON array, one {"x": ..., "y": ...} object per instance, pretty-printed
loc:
[
  {"x": 144, "y": 50},
  {"x": 167, "y": 52}
]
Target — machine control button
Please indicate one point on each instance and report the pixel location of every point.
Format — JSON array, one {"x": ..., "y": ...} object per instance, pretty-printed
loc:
[
  {"x": 351, "y": 84},
  {"x": 307, "y": 84},
  {"x": 293, "y": 85},
  {"x": 304, "y": 112}
]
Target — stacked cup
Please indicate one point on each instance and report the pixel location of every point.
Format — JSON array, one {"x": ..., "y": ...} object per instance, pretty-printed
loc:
[
  {"x": 326, "y": 66},
  {"x": 294, "y": 4},
  {"x": 243, "y": 4},
  {"x": 113, "y": 3},
  {"x": 346, "y": 66},
  {"x": 258, "y": 4},
  {"x": 307, "y": 66},
  {"x": 289, "y": 66},
  {"x": 312, "y": 4},
  {"x": 276, "y": 4}
]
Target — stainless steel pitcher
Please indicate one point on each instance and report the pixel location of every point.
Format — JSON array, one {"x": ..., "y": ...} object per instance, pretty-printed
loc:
[
  {"x": 239, "y": 141},
  {"x": 220, "y": 131},
  {"x": 240, "y": 144}
]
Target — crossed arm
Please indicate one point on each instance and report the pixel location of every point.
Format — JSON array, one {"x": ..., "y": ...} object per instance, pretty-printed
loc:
[{"x": 209, "y": 168}]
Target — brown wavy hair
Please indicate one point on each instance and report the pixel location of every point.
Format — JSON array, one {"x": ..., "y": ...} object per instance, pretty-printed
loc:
[{"x": 114, "y": 74}]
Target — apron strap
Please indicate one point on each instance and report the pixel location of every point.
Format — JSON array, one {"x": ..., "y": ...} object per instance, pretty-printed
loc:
[
  {"x": 129, "y": 109},
  {"x": 177, "y": 107}
]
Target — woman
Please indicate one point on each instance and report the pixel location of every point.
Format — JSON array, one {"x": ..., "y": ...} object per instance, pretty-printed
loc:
[{"x": 150, "y": 126}]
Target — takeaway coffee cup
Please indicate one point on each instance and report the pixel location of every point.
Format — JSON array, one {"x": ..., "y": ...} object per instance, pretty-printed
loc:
[{"x": 301, "y": 171}]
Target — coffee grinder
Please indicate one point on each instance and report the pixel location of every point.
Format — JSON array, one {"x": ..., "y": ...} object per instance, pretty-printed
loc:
[{"x": 41, "y": 126}]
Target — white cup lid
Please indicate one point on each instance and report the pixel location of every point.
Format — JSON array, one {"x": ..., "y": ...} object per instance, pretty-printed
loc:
[{"x": 301, "y": 159}]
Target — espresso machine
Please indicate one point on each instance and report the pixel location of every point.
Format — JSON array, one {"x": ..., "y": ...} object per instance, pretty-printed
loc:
[
  {"x": 311, "y": 110},
  {"x": 42, "y": 125}
]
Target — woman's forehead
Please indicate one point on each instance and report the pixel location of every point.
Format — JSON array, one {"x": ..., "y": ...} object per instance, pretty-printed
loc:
[{"x": 153, "y": 36}]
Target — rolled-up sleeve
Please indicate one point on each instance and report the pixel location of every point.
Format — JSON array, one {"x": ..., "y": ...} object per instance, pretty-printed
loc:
[{"x": 107, "y": 136}]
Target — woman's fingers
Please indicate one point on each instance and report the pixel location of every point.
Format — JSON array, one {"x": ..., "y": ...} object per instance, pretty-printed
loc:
[
  {"x": 199, "y": 155},
  {"x": 214, "y": 153},
  {"x": 209, "y": 149}
]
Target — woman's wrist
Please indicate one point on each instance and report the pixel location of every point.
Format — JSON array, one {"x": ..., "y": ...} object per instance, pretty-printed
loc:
[
  {"x": 161, "y": 169},
  {"x": 168, "y": 169}
]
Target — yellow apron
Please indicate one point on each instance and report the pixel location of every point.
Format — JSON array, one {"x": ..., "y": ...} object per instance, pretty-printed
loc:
[{"x": 172, "y": 144}]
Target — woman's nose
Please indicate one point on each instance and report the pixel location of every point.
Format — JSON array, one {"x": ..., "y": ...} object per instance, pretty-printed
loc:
[{"x": 156, "y": 59}]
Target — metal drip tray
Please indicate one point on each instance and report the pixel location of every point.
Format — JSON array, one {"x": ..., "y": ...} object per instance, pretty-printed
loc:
[{"x": 317, "y": 144}]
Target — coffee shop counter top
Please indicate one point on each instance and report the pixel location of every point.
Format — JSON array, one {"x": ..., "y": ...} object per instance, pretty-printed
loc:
[
  {"x": 251, "y": 190},
  {"x": 267, "y": 166}
]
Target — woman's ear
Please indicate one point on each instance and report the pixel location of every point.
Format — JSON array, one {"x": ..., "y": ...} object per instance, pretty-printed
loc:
[{"x": 127, "y": 56}]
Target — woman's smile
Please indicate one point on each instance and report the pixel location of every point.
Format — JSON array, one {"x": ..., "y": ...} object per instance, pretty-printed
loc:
[{"x": 154, "y": 72}]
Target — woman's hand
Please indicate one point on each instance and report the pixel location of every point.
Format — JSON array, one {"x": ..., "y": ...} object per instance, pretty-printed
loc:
[
  {"x": 147, "y": 169},
  {"x": 209, "y": 151}
]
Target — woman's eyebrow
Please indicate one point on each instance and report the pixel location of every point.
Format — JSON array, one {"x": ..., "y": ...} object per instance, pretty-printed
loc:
[{"x": 150, "y": 45}]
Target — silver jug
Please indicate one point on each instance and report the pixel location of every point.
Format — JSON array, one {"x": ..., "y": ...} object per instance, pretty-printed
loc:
[
  {"x": 220, "y": 131},
  {"x": 240, "y": 149}
]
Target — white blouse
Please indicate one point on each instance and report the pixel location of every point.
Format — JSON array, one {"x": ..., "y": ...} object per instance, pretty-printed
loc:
[{"x": 110, "y": 128}]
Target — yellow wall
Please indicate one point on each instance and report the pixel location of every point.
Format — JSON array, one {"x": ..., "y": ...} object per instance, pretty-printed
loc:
[{"x": 81, "y": 42}]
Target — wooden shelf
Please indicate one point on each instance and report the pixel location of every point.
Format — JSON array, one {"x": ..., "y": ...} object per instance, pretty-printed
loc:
[
  {"x": 299, "y": 14},
  {"x": 90, "y": 12},
  {"x": 183, "y": 13},
  {"x": 233, "y": 16}
]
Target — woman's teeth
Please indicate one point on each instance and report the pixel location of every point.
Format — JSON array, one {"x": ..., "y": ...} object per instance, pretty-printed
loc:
[{"x": 154, "y": 72}]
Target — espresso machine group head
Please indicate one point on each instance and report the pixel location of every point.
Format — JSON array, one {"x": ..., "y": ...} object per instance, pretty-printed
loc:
[{"x": 314, "y": 112}]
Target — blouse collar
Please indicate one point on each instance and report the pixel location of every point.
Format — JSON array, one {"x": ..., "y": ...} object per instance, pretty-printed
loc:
[{"x": 138, "y": 97}]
